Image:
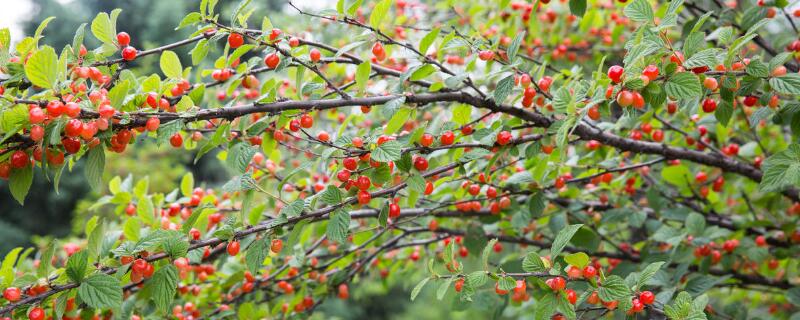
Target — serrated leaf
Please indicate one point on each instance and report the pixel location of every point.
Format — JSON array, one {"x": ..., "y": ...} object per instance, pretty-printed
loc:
[
  {"x": 781, "y": 170},
  {"x": 388, "y": 151},
  {"x": 503, "y": 89},
  {"x": 648, "y": 273},
  {"x": 639, "y": 10},
  {"x": 683, "y": 85},
  {"x": 562, "y": 238},
  {"x": 42, "y": 68},
  {"x": 101, "y": 291},
  {"x": 255, "y": 255},
  {"x": 533, "y": 263},
  {"x": 379, "y": 12},
  {"x": 338, "y": 226},
  {"x": 95, "y": 166},
  {"x": 787, "y": 84},
  {"x": 163, "y": 286},
  {"x": 613, "y": 288}
]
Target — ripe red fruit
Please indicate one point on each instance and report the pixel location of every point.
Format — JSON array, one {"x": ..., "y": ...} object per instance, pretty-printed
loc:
[
  {"x": 394, "y": 210},
  {"x": 106, "y": 111},
  {"x": 20, "y": 159},
  {"x": 306, "y": 121},
  {"x": 343, "y": 175},
  {"x": 625, "y": 98},
  {"x": 123, "y": 39},
  {"x": 129, "y": 53},
  {"x": 486, "y": 55},
  {"x": 459, "y": 285},
  {"x": 447, "y": 138},
  {"x": 315, "y": 55},
  {"x": 709, "y": 105},
  {"x": 294, "y": 42},
  {"x": 274, "y": 34},
  {"x": 498, "y": 290},
  {"x": 276, "y": 246},
  {"x": 36, "y": 313},
  {"x": 615, "y": 73},
  {"x": 272, "y": 60},
  {"x": 556, "y": 284},
  {"x": 176, "y": 140},
  {"x": 426, "y": 140},
  {"x": 36, "y": 115},
  {"x": 233, "y": 248},
  {"x": 589, "y": 272},
  {"x": 55, "y": 108},
  {"x": 378, "y": 51},
  {"x": 139, "y": 266},
  {"x": 651, "y": 72},
  {"x": 235, "y": 40},
  {"x": 658, "y": 135},
  {"x": 152, "y": 124},
  {"x": 12, "y": 294},
  {"x": 73, "y": 128},
  {"x": 343, "y": 292},
  {"x": 504, "y": 137},
  {"x": 572, "y": 297},
  {"x": 350, "y": 163},
  {"x": 37, "y": 133},
  {"x": 363, "y": 182},
  {"x": 421, "y": 163},
  {"x": 364, "y": 197},
  {"x": 323, "y": 136},
  {"x": 647, "y": 297}
]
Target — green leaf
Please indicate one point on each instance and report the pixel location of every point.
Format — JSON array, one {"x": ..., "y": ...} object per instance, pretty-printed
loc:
[
  {"x": 613, "y": 288},
  {"x": 362, "y": 75},
  {"x": 506, "y": 283},
  {"x": 443, "y": 288},
  {"x": 379, "y": 12},
  {"x": 683, "y": 85},
  {"x": 118, "y": 93},
  {"x": 562, "y": 238},
  {"x": 338, "y": 226},
  {"x": 388, "y": 151},
  {"x": 167, "y": 130},
  {"x": 102, "y": 28},
  {"x": 398, "y": 120},
  {"x": 19, "y": 183},
  {"x": 187, "y": 184},
  {"x": 487, "y": 250},
  {"x": 175, "y": 246},
  {"x": 331, "y": 195},
  {"x": 757, "y": 68},
  {"x": 199, "y": 51},
  {"x": 255, "y": 255},
  {"x": 293, "y": 209},
  {"x": 513, "y": 48},
  {"x": 101, "y": 291},
  {"x": 780, "y": 170},
  {"x": 45, "y": 259},
  {"x": 95, "y": 165},
  {"x": 787, "y": 84},
  {"x": 533, "y": 263},
  {"x": 171, "y": 65},
  {"x": 415, "y": 292},
  {"x": 578, "y": 259},
  {"x": 7, "y": 269},
  {"x": 503, "y": 89},
  {"x": 189, "y": 19},
  {"x": 426, "y": 41},
  {"x": 163, "y": 286},
  {"x": 707, "y": 57},
  {"x": 239, "y": 156},
  {"x": 42, "y": 68},
  {"x": 639, "y": 10},
  {"x": 793, "y": 295},
  {"x": 577, "y": 7},
  {"x": 648, "y": 273}
]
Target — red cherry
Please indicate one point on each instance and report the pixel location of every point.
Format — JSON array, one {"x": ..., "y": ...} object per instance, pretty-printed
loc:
[
  {"x": 343, "y": 175},
  {"x": 235, "y": 40},
  {"x": 129, "y": 53},
  {"x": 447, "y": 138},
  {"x": 504, "y": 137},
  {"x": 421, "y": 163},
  {"x": 306, "y": 121},
  {"x": 378, "y": 51},
  {"x": 55, "y": 108},
  {"x": 709, "y": 105},
  {"x": 572, "y": 297},
  {"x": 20, "y": 159},
  {"x": 72, "y": 109},
  {"x": 486, "y": 55},
  {"x": 647, "y": 297},
  {"x": 106, "y": 111},
  {"x": 294, "y": 42},
  {"x": 426, "y": 140},
  {"x": 363, "y": 182},
  {"x": 233, "y": 248},
  {"x": 36, "y": 313},
  {"x": 651, "y": 72},
  {"x": 37, "y": 133},
  {"x": 12, "y": 294},
  {"x": 394, "y": 210},
  {"x": 272, "y": 60},
  {"x": 364, "y": 197},
  {"x": 589, "y": 272},
  {"x": 274, "y": 34},
  {"x": 350, "y": 164},
  {"x": 152, "y": 124},
  {"x": 36, "y": 115},
  {"x": 176, "y": 140},
  {"x": 615, "y": 73},
  {"x": 123, "y": 39},
  {"x": 276, "y": 246},
  {"x": 315, "y": 55}
]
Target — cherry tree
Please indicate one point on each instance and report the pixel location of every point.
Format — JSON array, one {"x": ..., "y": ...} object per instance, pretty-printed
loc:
[{"x": 573, "y": 159}]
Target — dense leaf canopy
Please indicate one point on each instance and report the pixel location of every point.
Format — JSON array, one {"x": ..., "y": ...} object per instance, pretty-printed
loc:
[{"x": 573, "y": 159}]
